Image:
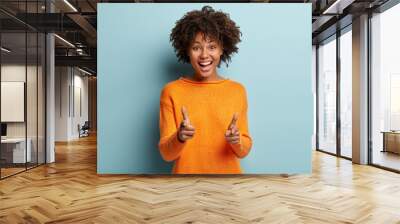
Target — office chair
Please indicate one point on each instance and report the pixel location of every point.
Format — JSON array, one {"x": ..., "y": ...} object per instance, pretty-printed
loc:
[{"x": 84, "y": 130}]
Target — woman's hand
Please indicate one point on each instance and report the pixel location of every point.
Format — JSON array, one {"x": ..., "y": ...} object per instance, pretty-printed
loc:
[
  {"x": 232, "y": 135},
  {"x": 186, "y": 129}
]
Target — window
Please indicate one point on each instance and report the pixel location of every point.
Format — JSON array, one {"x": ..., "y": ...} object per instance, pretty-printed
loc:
[
  {"x": 327, "y": 96},
  {"x": 385, "y": 88},
  {"x": 346, "y": 93}
]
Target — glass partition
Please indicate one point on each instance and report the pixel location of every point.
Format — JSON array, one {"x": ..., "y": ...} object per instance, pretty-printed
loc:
[
  {"x": 32, "y": 95},
  {"x": 14, "y": 153},
  {"x": 41, "y": 88},
  {"x": 22, "y": 77}
]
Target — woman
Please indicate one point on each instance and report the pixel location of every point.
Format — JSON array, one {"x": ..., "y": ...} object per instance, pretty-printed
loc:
[{"x": 203, "y": 117}]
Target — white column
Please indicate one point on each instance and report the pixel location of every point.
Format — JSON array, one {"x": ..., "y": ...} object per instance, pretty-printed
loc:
[
  {"x": 50, "y": 100},
  {"x": 360, "y": 90},
  {"x": 50, "y": 92}
]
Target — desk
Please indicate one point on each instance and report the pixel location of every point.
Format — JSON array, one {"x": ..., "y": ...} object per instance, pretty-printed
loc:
[
  {"x": 15, "y": 148},
  {"x": 391, "y": 141}
]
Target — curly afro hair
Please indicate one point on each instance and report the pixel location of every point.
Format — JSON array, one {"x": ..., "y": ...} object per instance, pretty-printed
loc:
[{"x": 213, "y": 24}]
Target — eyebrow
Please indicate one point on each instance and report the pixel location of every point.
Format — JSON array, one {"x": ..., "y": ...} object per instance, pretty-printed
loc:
[{"x": 197, "y": 42}]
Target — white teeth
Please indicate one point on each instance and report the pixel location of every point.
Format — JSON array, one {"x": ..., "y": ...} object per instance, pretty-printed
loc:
[{"x": 205, "y": 63}]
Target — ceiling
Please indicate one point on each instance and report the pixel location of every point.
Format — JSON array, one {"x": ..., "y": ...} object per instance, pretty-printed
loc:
[{"x": 76, "y": 22}]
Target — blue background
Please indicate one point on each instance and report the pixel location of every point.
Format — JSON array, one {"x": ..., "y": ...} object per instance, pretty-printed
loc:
[{"x": 135, "y": 60}]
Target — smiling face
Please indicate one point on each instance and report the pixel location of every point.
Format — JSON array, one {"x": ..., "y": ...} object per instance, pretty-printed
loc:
[{"x": 205, "y": 55}]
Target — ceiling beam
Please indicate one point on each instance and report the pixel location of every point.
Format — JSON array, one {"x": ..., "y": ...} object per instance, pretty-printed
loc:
[
  {"x": 85, "y": 61},
  {"x": 337, "y": 6}
]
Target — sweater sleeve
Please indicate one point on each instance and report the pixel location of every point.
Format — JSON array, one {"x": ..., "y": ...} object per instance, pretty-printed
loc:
[
  {"x": 243, "y": 148},
  {"x": 169, "y": 145}
]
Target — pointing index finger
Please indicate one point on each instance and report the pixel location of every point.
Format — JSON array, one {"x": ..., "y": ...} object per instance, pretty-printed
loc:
[
  {"x": 185, "y": 114},
  {"x": 234, "y": 120}
]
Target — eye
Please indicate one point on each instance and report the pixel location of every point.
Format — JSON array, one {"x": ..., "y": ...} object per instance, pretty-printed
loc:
[
  {"x": 213, "y": 47},
  {"x": 196, "y": 48}
]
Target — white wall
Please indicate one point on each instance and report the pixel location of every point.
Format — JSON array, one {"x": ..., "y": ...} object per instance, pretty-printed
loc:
[
  {"x": 62, "y": 82},
  {"x": 71, "y": 94},
  {"x": 80, "y": 114},
  {"x": 15, "y": 72},
  {"x": 10, "y": 73},
  {"x": 33, "y": 127}
]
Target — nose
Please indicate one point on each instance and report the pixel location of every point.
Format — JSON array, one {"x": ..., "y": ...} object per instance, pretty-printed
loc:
[{"x": 204, "y": 53}]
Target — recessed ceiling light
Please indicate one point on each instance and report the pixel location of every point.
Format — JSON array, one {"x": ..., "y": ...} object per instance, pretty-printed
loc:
[
  {"x": 5, "y": 50},
  {"x": 64, "y": 40},
  {"x": 84, "y": 71},
  {"x": 337, "y": 7},
  {"x": 70, "y": 5}
]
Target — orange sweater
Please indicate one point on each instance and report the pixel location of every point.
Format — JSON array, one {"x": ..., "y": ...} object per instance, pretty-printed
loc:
[{"x": 210, "y": 106}]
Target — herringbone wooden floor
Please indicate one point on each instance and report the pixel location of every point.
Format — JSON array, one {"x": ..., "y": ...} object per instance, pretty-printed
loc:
[{"x": 69, "y": 191}]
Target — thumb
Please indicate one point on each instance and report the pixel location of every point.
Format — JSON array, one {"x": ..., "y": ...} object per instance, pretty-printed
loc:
[{"x": 234, "y": 120}]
